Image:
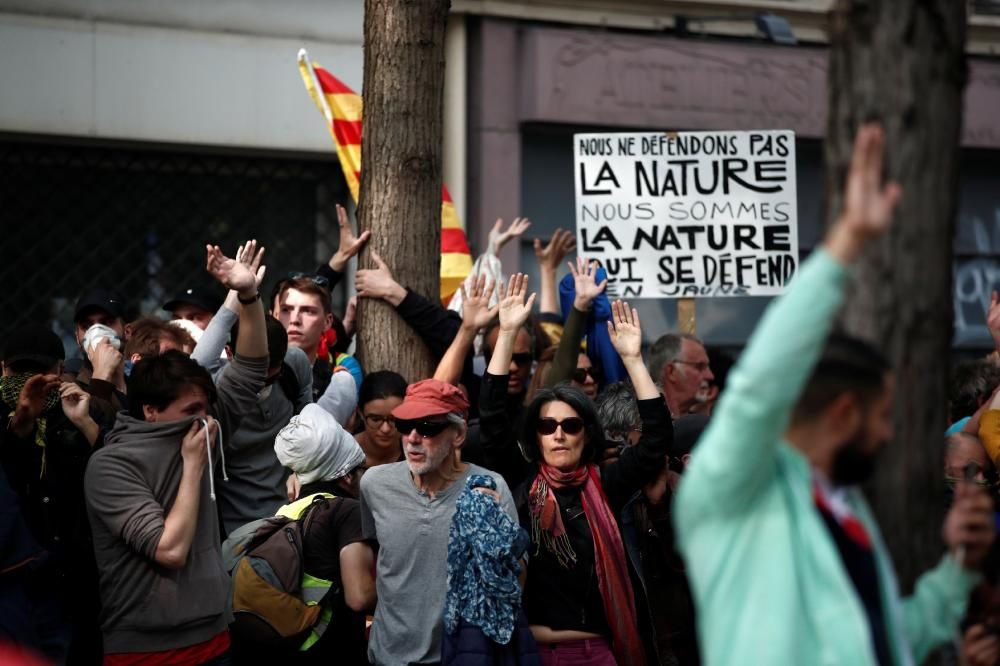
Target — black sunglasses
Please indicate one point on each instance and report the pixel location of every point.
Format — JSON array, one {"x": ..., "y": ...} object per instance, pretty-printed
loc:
[
  {"x": 571, "y": 426},
  {"x": 521, "y": 358},
  {"x": 580, "y": 375},
  {"x": 423, "y": 428}
]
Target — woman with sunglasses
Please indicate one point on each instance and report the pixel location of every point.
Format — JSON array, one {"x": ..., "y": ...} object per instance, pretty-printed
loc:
[
  {"x": 578, "y": 595},
  {"x": 381, "y": 392}
]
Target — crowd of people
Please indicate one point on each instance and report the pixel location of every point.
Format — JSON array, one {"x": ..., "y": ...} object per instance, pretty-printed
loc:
[{"x": 232, "y": 486}]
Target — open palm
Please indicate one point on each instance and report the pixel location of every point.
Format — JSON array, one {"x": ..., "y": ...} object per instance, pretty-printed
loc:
[
  {"x": 625, "y": 330},
  {"x": 585, "y": 283},
  {"x": 513, "y": 309},
  {"x": 231, "y": 273},
  {"x": 476, "y": 312},
  {"x": 868, "y": 204}
]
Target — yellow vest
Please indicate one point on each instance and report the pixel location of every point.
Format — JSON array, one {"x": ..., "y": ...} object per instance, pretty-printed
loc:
[{"x": 313, "y": 589}]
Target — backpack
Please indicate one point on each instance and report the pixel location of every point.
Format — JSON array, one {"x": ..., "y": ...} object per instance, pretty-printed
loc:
[{"x": 265, "y": 560}]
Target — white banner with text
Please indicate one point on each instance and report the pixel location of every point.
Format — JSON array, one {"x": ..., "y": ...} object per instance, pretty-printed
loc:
[{"x": 688, "y": 214}]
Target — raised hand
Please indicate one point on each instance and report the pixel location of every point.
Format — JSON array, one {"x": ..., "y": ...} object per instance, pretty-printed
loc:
[
  {"x": 31, "y": 403},
  {"x": 378, "y": 282},
  {"x": 585, "y": 283},
  {"x": 625, "y": 331},
  {"x": 550, "y": 256},
  {"x": 513, "y": 309},
  {"x": 498, "y": 237},
  {"x": 868, "y": 204},
  {"x": 75, "y": 402},
  {"x": 476, "y": 310},
  {"x": 231, "y": 273},
  {"x": 350, "y": 244},
  {"x": 34, "y": 393},
  {"x": 250, "y": 256}
]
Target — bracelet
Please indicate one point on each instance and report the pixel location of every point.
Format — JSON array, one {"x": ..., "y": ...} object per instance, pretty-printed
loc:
[{"x": 250, "y": 301}]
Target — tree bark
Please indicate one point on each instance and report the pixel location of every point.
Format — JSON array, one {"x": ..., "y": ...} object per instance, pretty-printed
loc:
[
  {"x": 903, "y": 63},
  {"x": 400, "y": 198}
]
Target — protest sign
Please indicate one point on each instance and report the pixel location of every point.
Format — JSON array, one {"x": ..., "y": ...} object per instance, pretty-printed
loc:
[{"x": 688, "y": 214}]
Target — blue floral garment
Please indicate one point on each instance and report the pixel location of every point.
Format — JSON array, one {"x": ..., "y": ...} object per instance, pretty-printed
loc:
[{"x": 484, "y": 546}]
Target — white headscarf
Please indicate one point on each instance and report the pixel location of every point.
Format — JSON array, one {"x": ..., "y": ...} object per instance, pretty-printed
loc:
[{"x": 316, "y": 447}]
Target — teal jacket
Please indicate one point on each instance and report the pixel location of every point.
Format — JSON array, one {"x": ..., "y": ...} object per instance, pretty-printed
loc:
[{"x": 769, "y": 584}]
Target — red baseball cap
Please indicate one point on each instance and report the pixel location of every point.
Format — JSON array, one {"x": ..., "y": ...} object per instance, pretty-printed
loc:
[{"x": 431, "y": 397}]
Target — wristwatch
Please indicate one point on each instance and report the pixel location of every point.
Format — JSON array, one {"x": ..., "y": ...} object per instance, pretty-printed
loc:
[{"x": 249, "y": 301}]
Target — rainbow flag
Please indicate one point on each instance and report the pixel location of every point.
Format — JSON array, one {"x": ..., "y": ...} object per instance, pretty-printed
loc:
[{"x": 341, "y": 107}]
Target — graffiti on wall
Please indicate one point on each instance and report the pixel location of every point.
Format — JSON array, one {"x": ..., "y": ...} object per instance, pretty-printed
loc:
[{"x": 975, "y": 279}]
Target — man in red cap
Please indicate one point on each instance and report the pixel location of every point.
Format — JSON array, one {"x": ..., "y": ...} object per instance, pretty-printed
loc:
[{"x": 407, "y": 507}]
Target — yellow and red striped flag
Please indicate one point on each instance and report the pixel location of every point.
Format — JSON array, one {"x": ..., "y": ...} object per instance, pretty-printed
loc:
[{"x": 341, "y": 107}]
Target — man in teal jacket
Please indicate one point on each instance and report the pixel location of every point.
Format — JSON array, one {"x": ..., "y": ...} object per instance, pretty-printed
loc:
[{"x": 784, "y": 556}]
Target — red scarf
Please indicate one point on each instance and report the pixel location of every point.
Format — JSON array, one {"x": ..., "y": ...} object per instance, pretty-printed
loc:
[
  {"x": 326, "y": 344},
  {"x": 609, "y": 554}
]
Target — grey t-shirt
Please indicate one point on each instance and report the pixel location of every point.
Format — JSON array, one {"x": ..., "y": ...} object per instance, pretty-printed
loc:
[{"x": 412, "y": 570}]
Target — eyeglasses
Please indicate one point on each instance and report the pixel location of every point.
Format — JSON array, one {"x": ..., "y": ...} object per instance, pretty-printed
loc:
[
  {"x": 318, "y": 279},
  {"x": 375, "y": 421},
  {"x": 700, "y": 366},
  {"x": 423, "y": 428},
  {"x": 571, "y": 426},
  {"x": 580, "y": 375}
]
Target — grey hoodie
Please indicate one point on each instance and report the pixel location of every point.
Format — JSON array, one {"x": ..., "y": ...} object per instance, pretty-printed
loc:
[{"x": 131, "y": 485}]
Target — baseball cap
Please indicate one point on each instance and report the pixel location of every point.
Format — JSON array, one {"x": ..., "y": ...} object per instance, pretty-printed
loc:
[
  {"x": 35, "y": 343},
  {"x": 201, "y": 297},
  {"x": 431, "y": 397},
  {"x": 102, "y": 299}
]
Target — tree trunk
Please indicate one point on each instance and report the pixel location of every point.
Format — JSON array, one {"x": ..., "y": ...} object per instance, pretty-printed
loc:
[
  {"x": 903, "y": 63},
  {"x": 400, "y": 198}
]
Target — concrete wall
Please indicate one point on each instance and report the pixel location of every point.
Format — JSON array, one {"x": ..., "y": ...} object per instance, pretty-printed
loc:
[{"x": 220, "y": 73}]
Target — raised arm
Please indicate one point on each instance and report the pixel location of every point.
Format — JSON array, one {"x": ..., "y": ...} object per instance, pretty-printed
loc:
[
  {"x": 499, "y": 236},
  {"x": 637, "y": 465},
  {"x": 347, "y": 248},
  {"x": 586, "y": 289},
  {"x": 626, "y": 335},
  {"x": 549, "y": 257},
  {"x": 208, "y": 351},
  {"x": 476, "y": 314},
  {"x": 496, "y": 431},
  {"x": 735, "y": 457},
  {"x": 244, "y": 377},
  {"x": 238, "y": 276}
]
